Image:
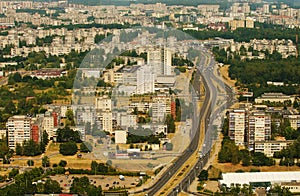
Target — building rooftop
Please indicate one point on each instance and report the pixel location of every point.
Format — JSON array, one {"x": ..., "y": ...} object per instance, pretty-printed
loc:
[{"x": 247, "y": 178}]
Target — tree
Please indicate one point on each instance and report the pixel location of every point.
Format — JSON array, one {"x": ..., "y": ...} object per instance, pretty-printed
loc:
[
  {"x": 45, "y": 161},
  {"x": 4, "y": 149},
  {"x": 62, "y": 163},
  {"x": 13, "y": 173},
  {"x": 170, "y": 124},
  {"x": 52, "y": 186},
  {"x": 70, "y": 118},
  {"x": 259, "y": 159},
  {"x": 19, "y": 149},
  {"x": 86, "y": 147},
  {"x": 88, "y": 128},
  {"x": 10, "y": 108},
  {"x": 30, "y": 148},
  {"x": 66, "y": 134},
  {"x": 203, "y": 175},
  {"x": 284, "y": 191},
  {"x": 82, "y": 186},
  {"x": 44, "y": 141},
  {"x": 30, "y": 163},
  {"x": 68, "y": 148}
]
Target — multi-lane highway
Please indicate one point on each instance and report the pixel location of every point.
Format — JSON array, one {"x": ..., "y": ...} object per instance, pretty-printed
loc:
[{"x": 207, "y": 113}]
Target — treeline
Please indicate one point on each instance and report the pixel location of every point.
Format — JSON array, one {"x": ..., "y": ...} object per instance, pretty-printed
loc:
[
  {"x": 230, "y": 153},
  {"x": 290, "y": 155},
  {"x": 261, "y": 71},
  {"x": 246, "y": 34},
  {"x": 254, "y": 74},
  {"x": 24, "y": 184}
]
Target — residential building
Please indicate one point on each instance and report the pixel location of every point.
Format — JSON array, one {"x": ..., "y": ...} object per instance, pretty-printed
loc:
[
  {"x": 237, "y": 126},
  {"x": 48, "y": 124},
  {"x": 106, "y": 121},
  {"x": 103, "y": 103},
  {"x": 294, "y": 120},
  {"x": 161, "y": 60},
  {"x": 270, "y": 147},
  {"x": 161, "y": 107},
  {"x": 145, "y": 80},
  {"x": 259, "y": 128},
  {"x": 18, "y": 129}
]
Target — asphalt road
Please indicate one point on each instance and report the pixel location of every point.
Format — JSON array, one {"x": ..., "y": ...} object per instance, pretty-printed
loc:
[{"x": 204, "y": 114}]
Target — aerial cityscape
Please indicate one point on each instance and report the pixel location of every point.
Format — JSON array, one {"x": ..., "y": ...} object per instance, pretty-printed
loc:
[{"x": 148, "y": 97}]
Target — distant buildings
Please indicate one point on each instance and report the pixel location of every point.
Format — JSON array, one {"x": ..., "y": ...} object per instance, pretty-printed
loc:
[{"x": 274, "y": 97}]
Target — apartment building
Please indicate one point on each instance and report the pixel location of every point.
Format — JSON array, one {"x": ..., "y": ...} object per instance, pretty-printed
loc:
[
  {"x": 237, "y": 126},
  {"x": 161, "y": 60},
  {"x": 259, "y": 128},
  {"x": 103, "y": 103},
  {"x": 18, "y": 130},
  {"x": 161, "y": 107},
  {"x": 294, "y": 120},
  {"x": 270, "y": 147},
  {"x": 106, "y": 121},
  {"x": 145, "y": 80}
]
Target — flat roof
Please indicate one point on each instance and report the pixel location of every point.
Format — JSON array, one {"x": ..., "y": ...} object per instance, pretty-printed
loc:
[{"x": 248, "y": 177}]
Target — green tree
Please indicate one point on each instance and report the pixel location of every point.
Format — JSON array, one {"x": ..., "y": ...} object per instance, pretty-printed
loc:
[
  {"x": 86, "y": 147},
  {"x": 259, "y": 159},
  {"x": 66, "y": 134},
  {"x": 45, "y": 161},
  {"x": 52, "y": 186},
  {"x": 30, "y": 148},
  {"x": 170, "y": 124},
  {"x": 30, "y": 163},
  {"x": 70, "y": 118},
  {"x": 62, "y": 163},
  {"x": 203, "y": 175},
  {"x": 68, "y": 148},
  {"x": 13, "y": 173},
  {"x": 19, "y": 149}
]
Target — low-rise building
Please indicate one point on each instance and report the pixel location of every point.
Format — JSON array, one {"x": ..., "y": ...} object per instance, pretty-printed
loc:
[
  {"x": 274, "y": 97},
  {"x": 270, "y": 147}
]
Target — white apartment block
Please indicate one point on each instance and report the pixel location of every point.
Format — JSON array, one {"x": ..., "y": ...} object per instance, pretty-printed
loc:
[
  {"x": 259, "y": 128},
  {"x": 19, "y": 130},
  {"x": 145, "y": 80},
  {"x": 237, "y": 125},
  {"x": 161, "y": 107},
  {"x": 161, "y": 59},
  {"x": 270, "y": 147},
  {"x": 106, "y": 121},
  {"x": 48, "y": 124}
]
